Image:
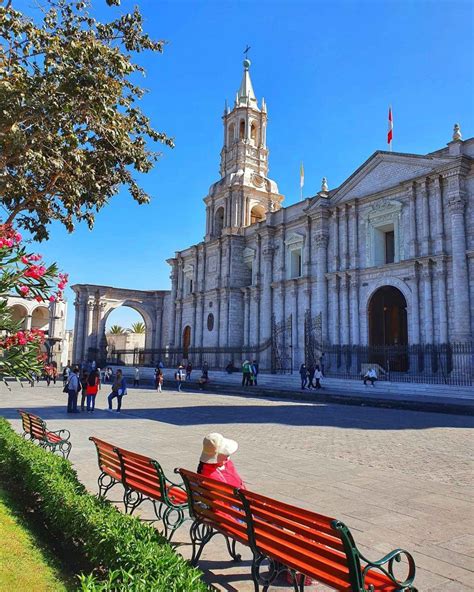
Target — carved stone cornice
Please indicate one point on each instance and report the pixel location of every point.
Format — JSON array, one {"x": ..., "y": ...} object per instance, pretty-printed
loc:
[
  {"x": 321, "y": 240},
  {"x": 457, "y": 205}
]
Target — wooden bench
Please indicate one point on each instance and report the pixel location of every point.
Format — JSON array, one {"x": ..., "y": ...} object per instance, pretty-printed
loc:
[
  {"x": 35, "y": 428},
  {"x": 284, "y": 538},
  {"x": 143, "y": 479}
]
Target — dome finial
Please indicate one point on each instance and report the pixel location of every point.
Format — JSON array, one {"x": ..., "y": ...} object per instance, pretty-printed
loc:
[{"x": 457, "y": 133}]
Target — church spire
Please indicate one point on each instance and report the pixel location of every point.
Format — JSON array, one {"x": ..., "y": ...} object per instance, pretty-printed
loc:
[{"x": 245, "y": 95}]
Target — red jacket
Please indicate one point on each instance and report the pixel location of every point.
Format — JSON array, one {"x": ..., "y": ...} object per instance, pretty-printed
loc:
[{"x": 226, "y": 473}]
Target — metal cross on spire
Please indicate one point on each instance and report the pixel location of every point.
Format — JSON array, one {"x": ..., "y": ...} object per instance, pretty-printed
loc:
[{"x": 246, "y": 50}]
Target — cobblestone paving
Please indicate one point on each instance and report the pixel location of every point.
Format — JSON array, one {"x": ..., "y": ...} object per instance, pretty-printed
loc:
[{"x": 397, "y": 478}]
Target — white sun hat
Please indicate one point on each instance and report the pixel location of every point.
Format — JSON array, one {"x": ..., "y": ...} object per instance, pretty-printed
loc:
[{"x": 215, "y": 444}]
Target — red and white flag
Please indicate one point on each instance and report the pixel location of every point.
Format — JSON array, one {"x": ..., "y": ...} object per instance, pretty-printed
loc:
[{"x": 390, "y": 128}]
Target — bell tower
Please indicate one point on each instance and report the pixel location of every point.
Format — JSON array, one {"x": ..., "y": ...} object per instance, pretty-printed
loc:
[
  {"x": 245, "y": 130},
  {"x": 244, "y": 195}
]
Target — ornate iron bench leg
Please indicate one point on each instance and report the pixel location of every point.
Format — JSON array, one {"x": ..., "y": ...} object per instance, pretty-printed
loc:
[
  {"x": 131, "y": 499},
  {"x": 105, "y": 482},
  {"x": 65, "y": 448},
  {"x": 231, "y": 548},
  {"x": 274, "y": 570},
  {"x": 172, "y": 520},
  {"x": 200, "y": 534}
]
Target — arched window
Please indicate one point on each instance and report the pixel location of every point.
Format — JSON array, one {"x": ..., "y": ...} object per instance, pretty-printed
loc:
[
  {"x": 242, "y": 130},
  {"x": 257, "y": 214},
  {"x": 230, "y": 134},
  {"x": 219, "y": 221},
  {"x": 253, "y": 132}
]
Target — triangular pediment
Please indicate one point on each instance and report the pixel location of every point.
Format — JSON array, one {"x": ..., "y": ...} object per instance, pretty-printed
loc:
[{"x": 384, "y": 170}]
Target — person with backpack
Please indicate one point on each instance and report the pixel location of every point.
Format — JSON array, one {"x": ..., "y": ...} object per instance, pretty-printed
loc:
[
  {"x": 246, "y": 373},
  {"x": 72, "y": 388},
  {"x": 83, "y": 381},
  {"x": 93, "y": 384}
]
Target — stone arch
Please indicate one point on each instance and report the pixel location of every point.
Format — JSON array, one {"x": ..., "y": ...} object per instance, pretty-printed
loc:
[
  {"x": 368, "y": 292},
  {"x": 230, "y": 134},
  {"x": 254, "y": 132},
  {"x": 95, "y": 303},
  {"x": 387, "y": 317},
  {"x": 19, "y": 313},
  {"x": 257, "y": 214},
  {"x": 219, "y": 221},
  {"x": 40, "y": 318},
  {"x": 242, "y": 129}
]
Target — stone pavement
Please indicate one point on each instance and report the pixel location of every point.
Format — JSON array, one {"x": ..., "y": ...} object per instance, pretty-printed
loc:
[{"x": 397, "y": 478}]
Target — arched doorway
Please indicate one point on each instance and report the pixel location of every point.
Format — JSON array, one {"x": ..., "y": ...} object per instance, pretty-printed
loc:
[
  {"x": 388, "y": 328},
  {"x": 126, "y": 334},
  {"x": 186, "y": 341},
  {"x": 40, "y": 319},
  {"x": 257, "y": 214}
]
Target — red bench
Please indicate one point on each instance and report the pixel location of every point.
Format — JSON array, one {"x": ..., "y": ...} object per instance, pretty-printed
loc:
[
  {"x": 35, "y": 428},
  {"x": 143, "y": 479},
  {"x": 287, "y": 539}
]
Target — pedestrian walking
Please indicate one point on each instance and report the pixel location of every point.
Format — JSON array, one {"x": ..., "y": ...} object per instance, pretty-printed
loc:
[
  {"x": 66, "y": 373},
  {"x": 311, "y": 372},
  {"x": 254, "y": 369},
  {"x": 73, "y": 386},
  {"x": 303, "y": 376},
  {"x": 180, "y": 377},
  {"x": 318, "y": 376},
  {"x": 136, "y": 379},
  {"x": 246, "y": 373},
  {"x": 119, "y": 390},
  {"x": 158, "y": 379},
  {"x": 204, "y": 379},
  {"x": 189, "y": 369},
  {"x": 83, "y": 381}
]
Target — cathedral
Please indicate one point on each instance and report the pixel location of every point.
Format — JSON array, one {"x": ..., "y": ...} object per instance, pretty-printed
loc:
[{"x": 384, "y": 260}]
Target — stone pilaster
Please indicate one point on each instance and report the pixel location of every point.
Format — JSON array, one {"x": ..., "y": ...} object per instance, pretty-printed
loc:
[
  {"x": 266, "y": 308},
  {"x": 441, "y": 274},
  {"x": 354, "y": 236},
  {"x": 321, "y": 286},
  {"x": 294, "y": 293},
  {"x": 425, "y": 214},
  {"x": 427, "y": 303},
  {"x": 334, "y": 299},
  {"x": 461, "y": 320},
  {"x": 335, "y": 239},
  {"x": 343, "y": 238},
  {"x": 414, "y": 316},
  {"x": 412, "y": 218},
  {"x": 307, "y": 250},
  {"x": 437, "y": 204},
  {"x": 173, "y": 297},
  {"x": 246, "y": 316},
  {"x": 344, "y": 299},
  {"x": 354, "y": 300}
]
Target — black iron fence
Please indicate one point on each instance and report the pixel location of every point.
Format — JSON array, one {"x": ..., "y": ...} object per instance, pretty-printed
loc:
[{"x": 450, "y": 363}]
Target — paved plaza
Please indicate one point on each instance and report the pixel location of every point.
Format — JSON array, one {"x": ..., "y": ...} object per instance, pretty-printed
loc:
[{"x": 396, "y": 478}]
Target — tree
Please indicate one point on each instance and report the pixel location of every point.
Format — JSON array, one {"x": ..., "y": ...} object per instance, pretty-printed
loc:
[
  {"x": 71, "y": 133},
  {"x": 25, "y": 275},
  {"x": 116, "y": 330},
  {"x": 138, "y": 327}
]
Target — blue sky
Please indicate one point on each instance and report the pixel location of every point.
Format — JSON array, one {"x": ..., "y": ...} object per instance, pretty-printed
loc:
[{"x": 327, "y": 70}]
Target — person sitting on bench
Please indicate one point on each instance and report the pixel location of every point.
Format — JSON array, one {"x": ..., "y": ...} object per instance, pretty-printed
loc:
[{"x": 371, "y": 375}]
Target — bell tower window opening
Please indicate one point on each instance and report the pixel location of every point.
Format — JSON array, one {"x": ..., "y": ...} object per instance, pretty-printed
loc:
[
  {"x": 257, "y": 214},
  {"x": 253, "y": 132},
  {"x": 242, "y": 130},
  {"x": 230, "y": 134},
  {"x": 219, "y": 221}
]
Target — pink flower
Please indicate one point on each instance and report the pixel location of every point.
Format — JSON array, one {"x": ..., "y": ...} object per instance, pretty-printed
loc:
[
  {"x": 35, "y": 257},
  {"x": 25, "y": 260},
  {"x": 8, "y": 242},
  {"x": 39, "y": 299},
  {"x": 52, "y": 298},
  {"x": 24, "y": 290},
  {"x": 17, "y": 237},
  {"x": 35, "y": 271}
]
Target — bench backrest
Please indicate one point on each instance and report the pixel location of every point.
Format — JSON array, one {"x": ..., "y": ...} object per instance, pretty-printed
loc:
[
  {"x": 141, "y": 474},
  {"x": 108, "y": 459},
  {"x": 302, "y": 540},
  {"x": 216, "y": 503},
  {"x": 33, "y": 425}
]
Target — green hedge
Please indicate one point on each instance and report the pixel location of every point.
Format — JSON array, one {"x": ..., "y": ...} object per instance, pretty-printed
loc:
[{"x": 132, "y": 555}]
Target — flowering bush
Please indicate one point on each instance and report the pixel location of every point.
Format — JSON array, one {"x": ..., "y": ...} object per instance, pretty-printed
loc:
[{"x": 25, "y": 275}]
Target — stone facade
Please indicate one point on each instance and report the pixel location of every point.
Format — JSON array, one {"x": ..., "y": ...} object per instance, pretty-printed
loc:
[
  {"x": 49, "y": 317},
  {"x": 328, "y": 253}
]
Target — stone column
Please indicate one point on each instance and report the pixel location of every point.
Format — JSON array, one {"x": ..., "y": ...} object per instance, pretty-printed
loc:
[
  {"x": 335, "y": 238},
  {"x": 173, "y": 297},
  {"x": 427, "y": 303},
  {"x": 307, "y": 250},
  {"x": 441, "y": 275},
  {"x": 461, "y": 317},
  {"x": 412, "y": 216},
  {"x": 78, "y": 349},
  {"x": 254, "y": 303},
  {"x": 355, "y": 325},
  {"x": 438, "y": 217},
  {"x": 88, "y": 337},
  {"x": 354, "y": 236},
  {"x": 322, "y": 288},
  {"x": 266, "y": 305},
  {"x": 246, "y": 292},
  {"x": 335, "y": 322},
  {"x": 425, "y": 214},
  {"x": 414, "y": 318},
  {"x": 344, "y": 247},
  {"x": 344, "y": 298}
]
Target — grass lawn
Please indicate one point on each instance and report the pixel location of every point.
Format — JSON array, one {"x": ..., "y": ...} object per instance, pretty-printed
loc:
[{"x": 24, "y": 563}]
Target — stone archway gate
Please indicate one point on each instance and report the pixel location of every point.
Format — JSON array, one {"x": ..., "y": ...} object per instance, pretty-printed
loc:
[{"x": 93, "y": 305}]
